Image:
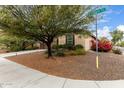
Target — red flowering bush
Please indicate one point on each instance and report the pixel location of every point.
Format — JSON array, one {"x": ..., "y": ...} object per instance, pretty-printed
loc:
[{"x": 104, "y": 45}]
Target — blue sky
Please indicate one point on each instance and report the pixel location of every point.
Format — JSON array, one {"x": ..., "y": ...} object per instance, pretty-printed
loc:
[{"x": 112, "y": 19}]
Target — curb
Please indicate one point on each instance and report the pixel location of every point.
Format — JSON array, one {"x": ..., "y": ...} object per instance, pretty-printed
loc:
[{"x": 21, "y": 52}]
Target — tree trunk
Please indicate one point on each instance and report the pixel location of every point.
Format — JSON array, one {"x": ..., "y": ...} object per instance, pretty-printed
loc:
[
  {"x": 23, "y": 45},
  {"x": 49, "y": 50},
  {"x": 32, "y": 45},
  {"x": 41, "y": 45}
]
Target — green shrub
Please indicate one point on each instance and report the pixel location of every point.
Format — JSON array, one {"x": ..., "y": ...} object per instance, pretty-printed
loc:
[
  {"x": 78, "y": 46},
  {"x": 69, "y": 47},
  {"x": 76, "y": 52},
  {"x": 63, "y": 46},
  {"x": 59, "y": 53},
  {"x": 117, "y": 51},
  {"x": 15, "y": 48},
  {"x": 80, "y": 52},
  {"x": 121, "y": 44},
  {"x": 54, "y": 46},
  {"x": 62, "y": 50},
  {"x": 59, "y": 46}
]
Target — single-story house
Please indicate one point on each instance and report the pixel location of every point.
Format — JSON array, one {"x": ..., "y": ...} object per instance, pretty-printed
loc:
[
  {"x": 72, "y": 39},
  {"x": 75, "y": 40}
]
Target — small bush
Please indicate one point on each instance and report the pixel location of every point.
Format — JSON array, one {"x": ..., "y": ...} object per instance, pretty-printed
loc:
[
  {"x": 77, "y": 52},
  {"x": 121, "y": 44},
  {"x": 117, "y": 51},
  {"x": 54, "y": 46},
  {"x": 78, "y": 46},
  {"x": 63, "y": 46},
  {"x": 15, "y": 48},
  {"x": 62, "y": 50},
  {"x": 80, "y": 52},
  {"x": 59, "y": 53},
  {"x": 69, "y": 47}
]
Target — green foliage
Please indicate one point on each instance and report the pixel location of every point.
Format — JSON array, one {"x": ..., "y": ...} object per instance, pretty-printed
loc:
[
  {"x": 60, "y": 53},
  {"x": 15, "y": 48},
  {"x": 116, "y": 36},
  {"x": 76, "y": 52},
  {"x": 44, "y": 23},
  {"x": 79, "y": 46},
  {"x": 55, "y": 46},
  {"x": 117, "y": 51},
  {"x": 70, "y": 47},
  {"x": 14, "y": 43},
  {"x": 64, "y": 50},
  {"x": 121, "y": 44},
  {"x": 63, "y": 46}
]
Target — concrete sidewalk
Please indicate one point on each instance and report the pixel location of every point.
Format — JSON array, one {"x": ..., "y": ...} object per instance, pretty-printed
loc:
[
  {"x": 21, "y": 52},
  {"x": 14, "y": 75}
]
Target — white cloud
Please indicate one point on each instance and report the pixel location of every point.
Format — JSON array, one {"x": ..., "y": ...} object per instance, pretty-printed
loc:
[
  {"x": 103, "y": 21},
  {"x": 114, "y": 12},
  {"x": 104, "y": 32},
  {"x": 121, "y": 28}
]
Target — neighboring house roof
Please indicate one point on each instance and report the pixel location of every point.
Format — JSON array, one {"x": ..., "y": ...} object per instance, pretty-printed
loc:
[{"x": 93, "y": 36}]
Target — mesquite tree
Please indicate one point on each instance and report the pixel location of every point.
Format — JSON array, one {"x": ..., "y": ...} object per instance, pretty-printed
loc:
[
  {"x": 45, "y": 23},
  {"x": 117, "y": 36}
]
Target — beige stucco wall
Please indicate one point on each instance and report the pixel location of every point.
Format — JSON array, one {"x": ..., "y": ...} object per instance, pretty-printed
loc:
[
  {"x": 62, "y": 40},
  {"x": 79, "y": 40},
  {"x": 87, "y": 44},
  {"x": 84, "y": 41}
]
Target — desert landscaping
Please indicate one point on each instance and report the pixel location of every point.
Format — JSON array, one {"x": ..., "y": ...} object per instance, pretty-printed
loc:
[{"x": 76, "y": 67}]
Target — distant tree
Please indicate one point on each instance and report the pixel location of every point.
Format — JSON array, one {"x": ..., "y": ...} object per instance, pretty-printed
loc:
[
  {"x": 45, "y": 23},
  {"x": 103, "y": 38},
  {"x": 14, "y": 43},
  {"x": 116, "y": 36}
]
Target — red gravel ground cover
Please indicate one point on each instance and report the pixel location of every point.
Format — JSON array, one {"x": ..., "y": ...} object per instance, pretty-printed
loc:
[{"x": 111, "y": 66}]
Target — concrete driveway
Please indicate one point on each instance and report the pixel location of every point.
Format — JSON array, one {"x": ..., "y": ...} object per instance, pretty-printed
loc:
[{"x": 14, "y": 75}]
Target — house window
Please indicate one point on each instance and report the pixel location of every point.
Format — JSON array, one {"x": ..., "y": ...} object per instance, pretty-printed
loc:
[{"x": 70, "y": 39}]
